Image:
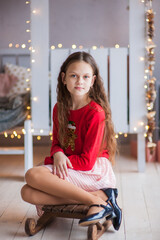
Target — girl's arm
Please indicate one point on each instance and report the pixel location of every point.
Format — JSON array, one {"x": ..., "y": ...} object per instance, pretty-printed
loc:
[
  {"x": 61, "y": 161},
  {"x": 60, "y": 164}
]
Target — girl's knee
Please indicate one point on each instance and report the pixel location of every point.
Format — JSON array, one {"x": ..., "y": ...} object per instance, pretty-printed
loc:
[
  {"x": 25, "y": 192},
  {"x": 31, "y": 175},
  {"x": 34, "y": 174}
]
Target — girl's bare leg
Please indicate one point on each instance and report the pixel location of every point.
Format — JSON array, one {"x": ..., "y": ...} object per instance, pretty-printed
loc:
[
  {"x": 40, "y": 178},
  {"x": 36, "y": 197}
]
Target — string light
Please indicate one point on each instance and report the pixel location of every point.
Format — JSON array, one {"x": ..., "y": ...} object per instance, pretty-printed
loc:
[
  {"x": 60, "y": 45},
  {"x": 149, "y": 67},
  {"x": 135, "y": 129},
  {"x": 10, "y": 45},
  {"x": 38, "y": 137},
  {"x": 17, "y": 45},
  {"x": 80, "y": 47},
  {"x": 23, "y": 46},
  {"x": 34, "y": 11},
  {"x": 125, "y": 135},
  {"x": 53, "y": 47},
  {"x": 23, "y": 131},
  {"x": 5, "y": 134},
  {"x": 34, "y": 99},
  {"x": 15, "y": 133},
  {"x": 94, "y": 47},
  {"x": 12, "y": 136},
  {"x": 141, "y": 58},
  {"x": 74, "y": 46},
  {"x": 116, "y": 45},
  {"x": 116, "y": 136},
  {"x": 141, "y": 123},
  {"x": 19, "y": 136}
]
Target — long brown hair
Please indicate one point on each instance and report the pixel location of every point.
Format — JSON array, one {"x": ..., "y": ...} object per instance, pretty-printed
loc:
[{"x": 96, "y": 93}]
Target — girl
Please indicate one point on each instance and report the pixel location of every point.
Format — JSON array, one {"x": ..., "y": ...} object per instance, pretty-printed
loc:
[{"x": 78, "y": 169}]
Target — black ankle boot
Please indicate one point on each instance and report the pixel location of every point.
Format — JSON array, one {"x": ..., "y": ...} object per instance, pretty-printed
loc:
[{"x": 112, "y": 194}]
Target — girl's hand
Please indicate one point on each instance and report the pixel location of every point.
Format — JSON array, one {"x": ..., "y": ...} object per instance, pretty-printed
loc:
[{"x": 60, "y": 165}]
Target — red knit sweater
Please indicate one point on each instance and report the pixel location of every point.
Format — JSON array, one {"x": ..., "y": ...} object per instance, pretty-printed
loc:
[{"x": 85, "y": 134}]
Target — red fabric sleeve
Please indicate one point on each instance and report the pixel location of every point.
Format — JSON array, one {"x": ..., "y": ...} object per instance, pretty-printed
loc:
[{"x": 93, "y": 138}]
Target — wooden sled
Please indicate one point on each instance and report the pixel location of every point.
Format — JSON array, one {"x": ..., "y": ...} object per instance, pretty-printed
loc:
[{"x": 79, "y": 211}]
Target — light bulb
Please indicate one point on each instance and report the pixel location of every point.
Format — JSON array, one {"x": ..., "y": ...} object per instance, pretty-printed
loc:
[
  {"x": 116, "y": 45},
  {"x": 94, "y": 47},
  {"x": 23, "y": 46},
  {"x": 19, "y": 136},
  {"x": 12, "y": 136},
  {"x": 60, "y": 45},
  {"x": 38, "y": 137},
  {"x": 15, "y": 133},
  {"x": 116, "y": 136},
  {"x": 141, "y": 58},
  {"x": 5, "y": 134},
  {"x": 34, "y": 99}
]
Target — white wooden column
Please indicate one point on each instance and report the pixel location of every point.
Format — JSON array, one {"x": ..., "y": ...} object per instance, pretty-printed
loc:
[
  {"x": 118, "y": 88},
  {"x": 28, "y": 146},
  {"x": 40, "y": 63},
  {"x": 137, "y": 107}
]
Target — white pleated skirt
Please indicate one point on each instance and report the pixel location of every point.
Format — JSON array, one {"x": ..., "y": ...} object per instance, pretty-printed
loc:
[{"x": 101, "y": 176}]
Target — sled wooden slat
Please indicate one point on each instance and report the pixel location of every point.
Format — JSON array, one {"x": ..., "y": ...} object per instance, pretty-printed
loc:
[{"x": 77, "y": 211}]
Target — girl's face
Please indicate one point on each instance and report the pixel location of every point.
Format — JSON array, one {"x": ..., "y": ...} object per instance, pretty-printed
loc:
[{"x": 78, "y": 78}]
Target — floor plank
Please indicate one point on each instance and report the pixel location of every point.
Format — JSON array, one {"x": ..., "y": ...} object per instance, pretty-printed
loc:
[{"x": 139, "y": 198}]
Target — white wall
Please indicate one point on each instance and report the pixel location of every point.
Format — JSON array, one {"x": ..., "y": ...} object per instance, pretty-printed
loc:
[{"x": 82, "y": 22}]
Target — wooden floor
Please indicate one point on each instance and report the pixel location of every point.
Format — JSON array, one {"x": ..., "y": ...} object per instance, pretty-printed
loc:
[{"x": 139, "y": 197}]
